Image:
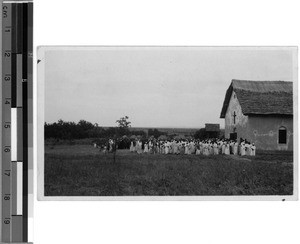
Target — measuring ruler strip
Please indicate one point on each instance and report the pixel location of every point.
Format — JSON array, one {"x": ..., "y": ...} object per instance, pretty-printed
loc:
[
  {"x": 16, "y": 120},
  {"x": 6, "y": 121},
  {"x": 16, "y": 72}
]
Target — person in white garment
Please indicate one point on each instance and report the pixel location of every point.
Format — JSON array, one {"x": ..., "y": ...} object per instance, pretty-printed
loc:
[
  {"x": 253, "y": 149},
  {"x": 162, "y": 147},
  {"x": 182, "y": 148},
  {"x": 186, "y": 147},
  {"x": 139, "y": 148},
  {"x": 156, "y": 147},
  {"x": 150, "y": 147},
  {"x": 206, "y": 149},
  {"x": 137, "y": 143},
  {"x": 216, "y": 149},
  {"x": 220, "y": 146},
  {"x": 247, "y": 148},
  {"x": 235, "y": 148},
  {"x": 223, "y": 147},
  {"x": 172, "y": 147},
  {"x": 193, "y": 147},
  {"x": 201, "y": 147},
  {"x": 197, "y": 148},
  {"x": 210, "y": 149},
  {"x": 190, "y": 151},
  {"x": 176, "y": 148},
  {"x": 131, "y": 147},
  {"x": 167, "y": 147},
  {"x": 242, "y": 147},
  {"x": 231, "y": 147},
  {"x": 227, "y": 148},
  {"x": 146, "y": 149}
]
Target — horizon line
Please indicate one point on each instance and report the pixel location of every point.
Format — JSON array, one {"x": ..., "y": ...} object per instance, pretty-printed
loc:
[{"x": 147, "y": 127}]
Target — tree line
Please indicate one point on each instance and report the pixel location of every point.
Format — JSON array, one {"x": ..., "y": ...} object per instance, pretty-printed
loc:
[{"x": 65, "y": 130}]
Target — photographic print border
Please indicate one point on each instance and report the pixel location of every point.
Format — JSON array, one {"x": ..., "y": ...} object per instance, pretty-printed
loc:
[{"x": 39, "y": 131}]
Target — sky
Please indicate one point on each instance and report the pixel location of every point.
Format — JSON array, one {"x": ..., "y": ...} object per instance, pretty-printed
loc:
[{"x": 181, "y": 87}]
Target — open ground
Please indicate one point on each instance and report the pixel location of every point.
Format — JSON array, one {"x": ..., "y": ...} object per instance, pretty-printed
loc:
[{"x": 81, "y": 170}]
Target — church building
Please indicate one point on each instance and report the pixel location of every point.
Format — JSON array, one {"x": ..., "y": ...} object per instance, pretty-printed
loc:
[{"x": 260, "y": 112}]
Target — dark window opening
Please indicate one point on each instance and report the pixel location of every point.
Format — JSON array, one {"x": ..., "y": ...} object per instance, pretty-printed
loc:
[{"x": 282, "y": 135}]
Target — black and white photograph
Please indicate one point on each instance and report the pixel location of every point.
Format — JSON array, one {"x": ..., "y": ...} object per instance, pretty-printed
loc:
[
  {"x": 149, "y": 122},
  {"x": 167, "y": 121}
]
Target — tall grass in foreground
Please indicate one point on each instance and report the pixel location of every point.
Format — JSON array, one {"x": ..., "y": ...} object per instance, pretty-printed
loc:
[{"x": 82, "y": 171}]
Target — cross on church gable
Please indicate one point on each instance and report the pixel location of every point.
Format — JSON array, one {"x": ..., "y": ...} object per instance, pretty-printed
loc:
[{"x": 234, "y": 115}]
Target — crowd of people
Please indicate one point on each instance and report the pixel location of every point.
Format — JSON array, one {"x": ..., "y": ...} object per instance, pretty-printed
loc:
[
  {"x": 109, "y": 147},
  {"x": 194, "y": 146}
]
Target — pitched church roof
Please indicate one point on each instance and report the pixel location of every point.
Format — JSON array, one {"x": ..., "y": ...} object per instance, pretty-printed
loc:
[{"x": 261, "y": 97}]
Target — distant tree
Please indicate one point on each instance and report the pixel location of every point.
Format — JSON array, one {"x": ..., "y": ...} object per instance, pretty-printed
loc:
[
  {"x": 63, "y": 130},
  {"x": 85, "y": 125},
  {"x": 123, "y": 126},
  {"x": 123, "y": 122}
]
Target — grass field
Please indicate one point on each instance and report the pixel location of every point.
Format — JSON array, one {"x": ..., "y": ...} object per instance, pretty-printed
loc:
[{"x": 81, "y": 170}]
